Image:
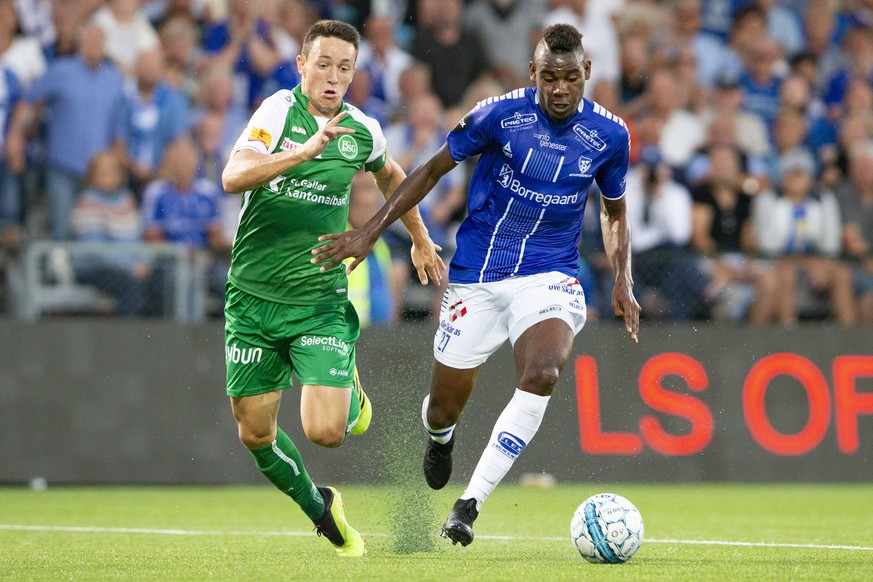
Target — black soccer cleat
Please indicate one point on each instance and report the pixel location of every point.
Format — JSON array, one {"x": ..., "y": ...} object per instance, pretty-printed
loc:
[
  {"x": 459, "y": 524},
  {"x": 438, "y": 463}
]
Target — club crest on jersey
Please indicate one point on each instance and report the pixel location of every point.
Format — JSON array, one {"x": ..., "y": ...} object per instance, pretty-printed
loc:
[
  {"x": 589, "y": 137},
  {"x": 348, "y": 147},
  {"x": 584, "y": 167},
  {"x": 518, "y": 121},
  {"x": 504, "y": 178}
]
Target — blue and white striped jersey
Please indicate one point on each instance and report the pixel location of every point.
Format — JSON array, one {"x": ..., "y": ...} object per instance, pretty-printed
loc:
[{"x": 529, "y": 189}]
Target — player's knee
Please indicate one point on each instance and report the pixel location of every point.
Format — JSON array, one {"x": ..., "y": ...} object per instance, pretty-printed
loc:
[
  {"x": 442, "y": 417},
  {"x": 539, "y": 380},
  {"x": 254, "y": 439},
  {"x": 325, "y": 435}
]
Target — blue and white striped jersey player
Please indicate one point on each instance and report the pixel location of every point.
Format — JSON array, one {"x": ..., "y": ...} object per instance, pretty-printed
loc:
[{"x": 513, "y": 275}]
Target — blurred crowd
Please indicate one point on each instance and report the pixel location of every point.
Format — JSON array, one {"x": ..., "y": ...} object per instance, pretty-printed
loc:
[{"x": 751, "y": 182}]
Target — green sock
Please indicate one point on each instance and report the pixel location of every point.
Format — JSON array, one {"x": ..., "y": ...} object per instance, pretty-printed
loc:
[
  {"x": 354, "y": 410},
  {"x": 281, "y": 463}
]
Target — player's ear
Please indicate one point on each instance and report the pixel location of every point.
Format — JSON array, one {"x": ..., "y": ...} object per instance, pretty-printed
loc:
[
  {"x": 533, "y": 71},
  {"x": 587, "y": 68},
  {"x": 301, "y": 61}
]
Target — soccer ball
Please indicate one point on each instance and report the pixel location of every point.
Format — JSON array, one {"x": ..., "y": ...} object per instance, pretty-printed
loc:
[{"x": 607, "y": 529}]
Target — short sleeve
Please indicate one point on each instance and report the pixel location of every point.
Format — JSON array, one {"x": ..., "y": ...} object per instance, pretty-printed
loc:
[
  {"x": 612, "y": 176},
  {"x": 472, "y": 135},
  {"x": 265, "y": 127},
  {"x": 379, "y": 155}
]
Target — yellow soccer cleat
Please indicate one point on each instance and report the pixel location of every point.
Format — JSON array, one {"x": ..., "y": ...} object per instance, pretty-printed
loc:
[
  {"x": 366, "y": 414},
  {"x": 333, "y": 526}
]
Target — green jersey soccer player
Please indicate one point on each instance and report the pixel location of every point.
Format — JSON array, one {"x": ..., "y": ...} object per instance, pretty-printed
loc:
[{"x": 294, "y": 164}]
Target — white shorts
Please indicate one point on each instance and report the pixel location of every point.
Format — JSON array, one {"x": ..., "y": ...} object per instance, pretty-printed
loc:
[{"x": 477, "y": 318}]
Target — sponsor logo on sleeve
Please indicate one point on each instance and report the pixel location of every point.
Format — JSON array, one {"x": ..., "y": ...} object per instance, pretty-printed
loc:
[
  {"x": 462, "y": 125},
  {"x": 261, "y": 135}
]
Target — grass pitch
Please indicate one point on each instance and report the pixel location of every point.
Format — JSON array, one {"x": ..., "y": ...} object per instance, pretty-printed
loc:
[{"x": 692, "y": 532}]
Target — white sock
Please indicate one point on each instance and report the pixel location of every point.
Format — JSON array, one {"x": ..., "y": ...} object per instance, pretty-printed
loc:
[
  {"x": 440, "y": 435},
  {"x": 514, "y": 429}
]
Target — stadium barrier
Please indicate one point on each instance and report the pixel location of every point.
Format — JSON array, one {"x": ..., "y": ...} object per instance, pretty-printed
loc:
[
  {"x": 72, "y": 278},
  {"x": 86, "y": 400}
]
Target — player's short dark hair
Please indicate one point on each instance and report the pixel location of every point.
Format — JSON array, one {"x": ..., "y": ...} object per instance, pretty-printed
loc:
[
  {"x": 331, "y": 29},
  {"x": 562, "y": 38}
]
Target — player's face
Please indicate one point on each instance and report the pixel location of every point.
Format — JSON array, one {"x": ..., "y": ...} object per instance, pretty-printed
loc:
[
  {"x": 560, "y": 80},
  {"x": 326, "y": 73}
]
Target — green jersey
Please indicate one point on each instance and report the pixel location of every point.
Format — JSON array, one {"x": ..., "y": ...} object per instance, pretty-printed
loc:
[{"x": 280, "y": 222}]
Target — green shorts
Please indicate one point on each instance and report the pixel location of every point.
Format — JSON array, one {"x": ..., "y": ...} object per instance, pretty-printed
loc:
[{"x": 265, "y": 342}]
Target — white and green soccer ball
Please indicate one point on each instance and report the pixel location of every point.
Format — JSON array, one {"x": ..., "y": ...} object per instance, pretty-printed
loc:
[{"x": 607, "y": 529}]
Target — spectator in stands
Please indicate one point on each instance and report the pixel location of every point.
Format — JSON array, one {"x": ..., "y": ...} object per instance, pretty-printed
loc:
[
  {"x": 215, "y": 100},
  {"x": 751, "y": 134},
  {"x": 454, "y": 54},
  {"x": 680, "y": 132},
  {"x": 790, "y": 133},
  {"x": 857, "y": 48},
  {"x": 723, "y": 232},
  {"x": 360, "y": 94},
  {"x": 68, "y": 19},
  {"x": 242, "y": 41},
  {"x": 635, "y": 67},
  {"x": 692, "y": 95},
  {"x": 180, "y": 208},
  {"x": 659, "y": 211},
  {"x": 107, "y": 212},
  {"x": 128, "y": 32},
  {"x": 855, "y": 195},
  {"x": 510, "y": 29},
  {"x": 83, "y": 97},
  {"x": 371, "y": 286},
  {"x": 718, "y": 16},
  {"x": 601, "y": 40},
  {"x": 795, "y": 94},
  {"x": 413, "y": 142},
  {"x": 853, "y": 129},
  {"x": 36, "y": 19},
  {"x": 156, "y": 114},
  {"x": 820, "y": 28},
  {"x": 179, "y": 38},
  {"x": 761, "y": 79},
  {"x": 783, "y": 26},
  {"x": 294, "y": 19},
  {"x": 383, "y": 60},
  {"x": 800, "y": 229},
  {"x": 748, "y": 28},
  {"x": 413, "y": 81},
  {"x": 213, "y": 156},
  {"x": 712, "y": 57},
  {"x": 20, "y": 53},
  {"x": 160, "y": 12},
  {"x": 11, "y": 207}
]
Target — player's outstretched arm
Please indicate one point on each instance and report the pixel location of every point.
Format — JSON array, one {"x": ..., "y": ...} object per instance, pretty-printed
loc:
[
  {"x": 617, "y": 243},
  {"x": 425, "y": 254},
  {"x": 247, "y": 169},
  {"x": 358, "y": 243}
]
